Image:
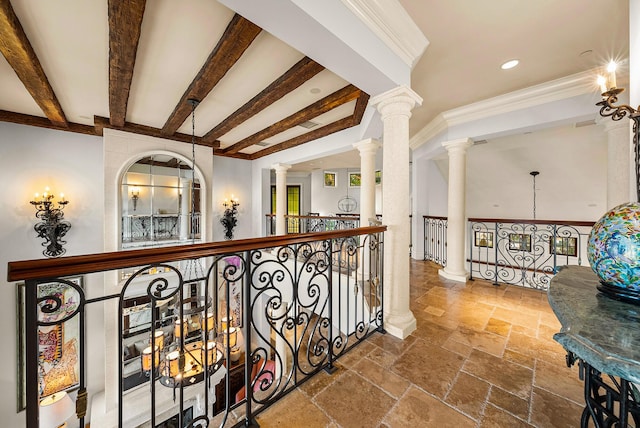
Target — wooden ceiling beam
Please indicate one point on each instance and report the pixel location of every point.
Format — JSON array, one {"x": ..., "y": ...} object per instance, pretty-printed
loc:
[
  {"x": 336, "y": 126},
  {"x": 237, "y": 37},
  {"x": 17, "y": 49},
  {"x": 361, "y": 106},
  {"x": 125, "y": 23},
  {"x": 328, "y": 103},
  {"x": 304, "y": 70},
  {"x": 101, "y": 122},
  {"x": 43, "y": 122}
]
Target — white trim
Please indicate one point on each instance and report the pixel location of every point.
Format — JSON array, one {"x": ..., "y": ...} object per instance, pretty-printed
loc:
[
  {"x": 391, "y": 23},
  {"x": 555, "y": 90}
]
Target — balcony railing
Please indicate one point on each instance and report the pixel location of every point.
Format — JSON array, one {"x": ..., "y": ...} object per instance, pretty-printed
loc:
[
  {"x": 153, "y": 228},
  {"x": 223, "y": 330},
  {"x": 518, "y": 252},
  {"x": 313, "y": 223}
]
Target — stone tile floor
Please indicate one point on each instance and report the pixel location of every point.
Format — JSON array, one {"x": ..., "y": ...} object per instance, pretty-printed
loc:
[{"x": 481, "y": 356}]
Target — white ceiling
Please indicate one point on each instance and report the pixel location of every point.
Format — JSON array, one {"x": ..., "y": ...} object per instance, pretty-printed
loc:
[{"x": 469, "y": 39}]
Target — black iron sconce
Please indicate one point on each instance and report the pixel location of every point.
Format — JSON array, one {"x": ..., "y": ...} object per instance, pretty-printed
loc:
[
  {"x": 230, "y": 217},
  {"x": 135, "y": 194},
  {"x": 52, "y": 227},
  {"x": 609, "y": 97}
]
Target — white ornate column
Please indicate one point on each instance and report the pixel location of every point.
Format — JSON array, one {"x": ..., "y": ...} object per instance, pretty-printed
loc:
[
  {"x": 281, "y": 197},
  {"x": 456, "y": 213},
  {"x": 618, "y": 161},
  {"x": 368, "y": 149},
  {"x": 395, "y": 108}
]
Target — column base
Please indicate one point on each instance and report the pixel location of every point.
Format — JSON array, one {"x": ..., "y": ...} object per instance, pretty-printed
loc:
[
  {"x": 460, "y": 277},
  {"x": 400, "y": 326}
]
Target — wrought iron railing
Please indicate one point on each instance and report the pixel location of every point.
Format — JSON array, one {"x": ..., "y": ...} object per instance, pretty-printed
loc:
[
  {"x": 159, "y": 227},
  {"x": 435, "y": 239},
  {"x": 313, "y": 223},
  {"x": 224, "y": 329},
  {"x": 524, "y": 252},
  {"x": 518, "y": 252}
]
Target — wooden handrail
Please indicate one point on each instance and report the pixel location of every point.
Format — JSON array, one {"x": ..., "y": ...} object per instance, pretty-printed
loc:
[
  {"x": 343, "y": 217},
  {"x": 77, "y": 265},
  {"x": 509, "y": 220}
]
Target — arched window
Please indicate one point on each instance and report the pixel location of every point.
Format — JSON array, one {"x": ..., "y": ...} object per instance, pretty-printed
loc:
[{"x": 160, "y": 203}]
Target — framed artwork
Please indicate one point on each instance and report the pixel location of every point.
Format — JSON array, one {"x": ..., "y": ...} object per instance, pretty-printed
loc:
[
  {"x": 378, "y": 177},
  {"x": 483, "y": 239},
  {"x": 58, "y": 344},
  {"x": 354, "y": 179},
  {"x": 564, "y": 246},
  {"x": 519, "y": 242},
  {"x": 330, "y": 179}
]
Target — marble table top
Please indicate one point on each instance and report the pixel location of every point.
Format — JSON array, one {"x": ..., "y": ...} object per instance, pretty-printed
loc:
[{"x": 598, "y": 329}]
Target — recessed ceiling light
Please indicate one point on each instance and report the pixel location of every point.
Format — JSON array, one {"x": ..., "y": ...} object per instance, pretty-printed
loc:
[{"x": 509, "y": 64}]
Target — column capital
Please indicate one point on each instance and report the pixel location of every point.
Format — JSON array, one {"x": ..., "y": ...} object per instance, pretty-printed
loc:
[
  {"x": 611, "y": 125},
  {"x": 400, "y": 100},
  {"x": 280, "y": 167},
  {"x": 369, "y": 145},
  {"x": 460, "y": 145}
]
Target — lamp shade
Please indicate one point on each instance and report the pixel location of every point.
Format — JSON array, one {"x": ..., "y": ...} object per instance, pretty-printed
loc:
[
  {"x": 159, "y": 339},
  {"x": 146, "y": 358},
  {"x": 56, "y": 409},
  {"x": 230, "y": 337},
  {"x": 208, "y": 322}
]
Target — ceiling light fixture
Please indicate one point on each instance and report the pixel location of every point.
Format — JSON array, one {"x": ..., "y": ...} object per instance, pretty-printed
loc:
[
  {"x": 509, "y": 64},
  {"x": 610, "y": 94}
]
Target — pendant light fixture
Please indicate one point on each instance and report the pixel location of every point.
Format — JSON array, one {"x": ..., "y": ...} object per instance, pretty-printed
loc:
[{"x": 347, "y": 204}]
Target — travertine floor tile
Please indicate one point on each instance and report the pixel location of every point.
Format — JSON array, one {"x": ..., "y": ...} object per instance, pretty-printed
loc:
[
  {"x": 296, "y": 411},
  {"x": 469, "y": 395},
  {"x": 511, "y": 377},
  {"x": 418, "y": 409},
  {"x": 352, "y": 401},
  {"x": 552, "y": 411}
]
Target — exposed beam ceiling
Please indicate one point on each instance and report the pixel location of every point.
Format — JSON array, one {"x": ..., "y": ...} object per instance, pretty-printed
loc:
[
  {"x": 304, "y": 70},
  {"x": 336, "y": 126},
  {"x": 41, "y": 122},
  {"x": 239, "y": 34},
  {"x": 338, "y": 98},
  {"x": 101, "y": 122},
  {"x": 16, "y": 48},
  {"x": 125, "y": 23}
]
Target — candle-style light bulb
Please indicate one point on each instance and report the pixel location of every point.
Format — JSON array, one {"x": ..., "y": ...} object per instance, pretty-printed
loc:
[
  {"x": 602, "y": 82},
  {"x": 36, "y": 195},
  {"x": 611, "y": 69},
  {"x": 61, "y": 197}
]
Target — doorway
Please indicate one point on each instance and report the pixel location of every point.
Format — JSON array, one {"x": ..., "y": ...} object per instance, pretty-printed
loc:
[{"x": 293, "y": 207}]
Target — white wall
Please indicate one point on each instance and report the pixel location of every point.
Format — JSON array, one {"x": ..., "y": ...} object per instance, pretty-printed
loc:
[
  {"x": 232, "y": 176},
  {"x": 324, "y": 200},
  {"x": 32, "y": 158},
  {"x": 572, "y": 184}
]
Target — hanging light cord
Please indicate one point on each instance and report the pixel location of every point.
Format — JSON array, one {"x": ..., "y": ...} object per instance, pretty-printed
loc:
[
  {"x": 534, "y": 174},
  {"x": 194, "y": 103}
]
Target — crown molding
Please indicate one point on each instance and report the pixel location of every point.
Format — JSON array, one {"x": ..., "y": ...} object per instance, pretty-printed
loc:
[
  {"x": 391, "y": 23},
  {"x": 548, "y": 92}
]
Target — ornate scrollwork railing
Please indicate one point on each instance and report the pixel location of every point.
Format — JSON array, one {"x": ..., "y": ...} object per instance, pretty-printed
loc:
[
  {"x": 524, "y": 252},
  {"x": 435, "y": 239},
  {"x": 226, "y": 329}
]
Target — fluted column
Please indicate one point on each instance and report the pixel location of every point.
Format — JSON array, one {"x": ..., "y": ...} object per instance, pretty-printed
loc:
[
  {"x": 618, "y": 161},
  {"x": 456, "y": 210},
  {"x": 368, "y": 149},
  {"x": 281, "y": 197},
  {"x": 395, "y": 108}
]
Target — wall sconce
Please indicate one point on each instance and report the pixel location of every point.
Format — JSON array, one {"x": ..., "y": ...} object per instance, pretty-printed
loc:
[
  {"x": 230, "y": 217},
  {"x": 135, "y": 194},
  {"x": 52, "y": 228},
  {"x": 609, "y": 97}
]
